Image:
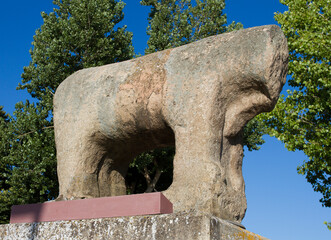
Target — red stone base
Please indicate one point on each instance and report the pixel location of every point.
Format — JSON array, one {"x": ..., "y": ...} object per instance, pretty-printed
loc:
[{"x": 128, "y": 205}]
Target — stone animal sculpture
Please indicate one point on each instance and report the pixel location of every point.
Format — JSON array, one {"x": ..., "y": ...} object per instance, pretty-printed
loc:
[{"x": 197, "y": 97}]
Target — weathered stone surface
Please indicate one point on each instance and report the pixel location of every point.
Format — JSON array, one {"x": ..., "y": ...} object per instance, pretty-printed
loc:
[
  {"x": 197, "y": 97},
  {"x": 180, "y": 226}
]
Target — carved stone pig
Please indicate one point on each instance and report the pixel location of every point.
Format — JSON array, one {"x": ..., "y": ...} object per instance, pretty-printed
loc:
[{"x": 197, "y": 97}]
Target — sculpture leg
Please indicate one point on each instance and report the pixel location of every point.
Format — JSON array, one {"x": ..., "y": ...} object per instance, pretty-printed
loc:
[
  {"x": 200, "y": 178},
  {"x": 111, "y": 178},
  {"x": 85, "y": 169}
]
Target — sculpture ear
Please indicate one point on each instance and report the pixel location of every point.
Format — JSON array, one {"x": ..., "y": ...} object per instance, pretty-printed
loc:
[{"x": 242, "y": 110}]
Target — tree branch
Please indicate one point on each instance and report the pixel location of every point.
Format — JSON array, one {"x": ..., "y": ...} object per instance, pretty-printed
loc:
[
  {"x": 152, "y": 184},
  {"x": 22, "y": 135},
  {"x": 147, "y": 177}
]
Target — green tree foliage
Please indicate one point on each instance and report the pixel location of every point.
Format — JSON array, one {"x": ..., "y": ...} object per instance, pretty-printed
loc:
[
  {"x": 328, "y": 225},
  {"x": 78, "y": 34},
  {"x": 4, "y": 151},
  {"x": 151, "y": 171},
  {"x": 28, "y": 166},
  {"x": 3, "y": 114},
  {"x": 173, "y": 23},
  {"x": 302, "y": 119}
]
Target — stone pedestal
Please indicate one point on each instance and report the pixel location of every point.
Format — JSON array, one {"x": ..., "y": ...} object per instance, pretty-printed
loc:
[
  {"x": 178, "y": 226},
  {"x": 93, "y": 208}
]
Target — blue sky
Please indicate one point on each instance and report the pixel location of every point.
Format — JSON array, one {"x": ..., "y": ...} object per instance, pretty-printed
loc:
[{"x": 281, "y": 204}]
